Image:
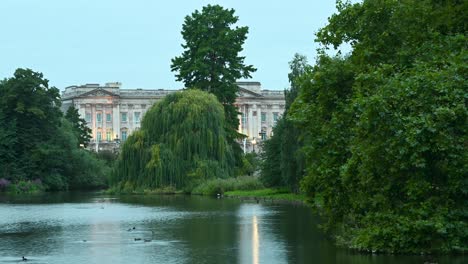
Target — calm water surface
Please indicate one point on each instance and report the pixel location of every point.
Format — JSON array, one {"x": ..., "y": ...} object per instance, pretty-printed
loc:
[{"x": 91, "y": 228}]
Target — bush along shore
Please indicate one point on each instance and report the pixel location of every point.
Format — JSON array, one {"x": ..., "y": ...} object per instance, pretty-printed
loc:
[
  {"x": 244, "y": 187},
  {"x": 268, "y": 195},
  {"x": 21, "y": 187}
]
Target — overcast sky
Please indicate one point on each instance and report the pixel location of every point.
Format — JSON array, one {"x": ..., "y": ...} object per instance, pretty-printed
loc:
[{"x": 133, "y": 41}]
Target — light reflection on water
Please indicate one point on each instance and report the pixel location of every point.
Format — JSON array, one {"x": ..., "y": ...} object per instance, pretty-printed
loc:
[
  {"x": 88, "y": 228},
  {"x": 256, "y": 241}
]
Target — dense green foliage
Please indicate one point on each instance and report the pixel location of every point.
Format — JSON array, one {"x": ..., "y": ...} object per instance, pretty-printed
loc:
[
  {"x": 283, "y": 162},
  {"x": 182, "y": 141},
  {"x": 250, "y": 164},
  {"x": 211, "y": 61},
  {"x": 384, "y": 129},
  {"x": 220, "y": 186},
  {"x": 36, "y": 143},
  {"x": 82, "y": 131},
  {"x": 278, "y": 194}
]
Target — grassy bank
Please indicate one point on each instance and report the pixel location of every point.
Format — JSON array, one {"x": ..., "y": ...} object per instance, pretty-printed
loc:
[
  {"x": 268, "y": 194},
  {"x": 239, "y": 187},
  {"x": 146, "y": 191},
  {"x": 221, "y": 186}
]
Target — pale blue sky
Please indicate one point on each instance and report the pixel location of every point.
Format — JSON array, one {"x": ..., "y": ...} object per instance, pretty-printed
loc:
[{"x": 133, "y": 41}]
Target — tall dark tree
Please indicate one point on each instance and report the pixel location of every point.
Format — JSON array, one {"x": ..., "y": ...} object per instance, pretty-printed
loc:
[
  {"x": 82, "y": 131},
  {"x": 36, "y": 142},
  {"x": 298, "y": 66},
  {"x": 30, "y": 111},
  {"x": 384, "y": 128},
  {"x": 283, "y": 162},
  {"x": 211, "y": 60}
]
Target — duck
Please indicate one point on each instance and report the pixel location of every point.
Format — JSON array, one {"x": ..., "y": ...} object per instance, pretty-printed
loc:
[
  {"x": 147, "y": 240},
  {"x": 24, "y": 259},
  {"x": 137, "y": 239}
]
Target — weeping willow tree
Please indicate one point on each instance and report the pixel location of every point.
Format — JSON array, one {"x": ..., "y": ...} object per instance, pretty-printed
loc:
[{"x": 182, "y": 141}]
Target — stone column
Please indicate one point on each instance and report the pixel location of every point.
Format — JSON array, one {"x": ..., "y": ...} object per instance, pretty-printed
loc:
[
  {"x": 249, "y": 121},
  {"x": 93, "y": 121},
  {"x": 116, "y": 120},
  {"x": 239, "y": 108},
  {"x": 104, "y": 122},
  {"x": 259, "y": 120}
]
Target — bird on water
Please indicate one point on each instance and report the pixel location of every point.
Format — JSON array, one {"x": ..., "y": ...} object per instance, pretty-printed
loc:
[{"x": 24, "y": 259}]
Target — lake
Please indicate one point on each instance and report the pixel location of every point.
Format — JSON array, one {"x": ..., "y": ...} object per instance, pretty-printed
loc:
[{"x": 95, "y": 228}]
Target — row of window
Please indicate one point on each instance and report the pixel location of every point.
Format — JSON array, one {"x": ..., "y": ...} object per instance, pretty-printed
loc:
[
  {"x": 108, "y": 136},
  {"x": 123, "y": 117},
  {"x": 123, "y": 136},
  {"x": 263, "y": 117}
]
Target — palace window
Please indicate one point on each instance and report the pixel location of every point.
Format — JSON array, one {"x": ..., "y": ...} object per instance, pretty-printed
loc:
[
  {"x": 99, "y": 117},
  {"x": 108, "y": 135},
  {"x": 263, "y": 116},
  {"x": 124, "y": 117},
  {"x": 244, "y": 119},
  {"x": 275, "y": 116},
  {"x": 136, "y": 117},
  {"x": 88, "y": 117},
  {"x": 99, "y": 136},
  {"x": 108, "y": 117},
  {"x": 124, "y": 135},
  {"x": 263, "y": 133}
]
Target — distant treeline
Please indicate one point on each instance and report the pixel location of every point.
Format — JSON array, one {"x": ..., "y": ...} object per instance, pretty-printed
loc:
[{"x": 39, "y": 145}]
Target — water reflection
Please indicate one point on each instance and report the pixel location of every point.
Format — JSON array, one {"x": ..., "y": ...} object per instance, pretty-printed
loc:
[
  {"x": 255, "y": 243},
  {"x": 88, "y": 228},
  {"x": 258, "y": 242}
]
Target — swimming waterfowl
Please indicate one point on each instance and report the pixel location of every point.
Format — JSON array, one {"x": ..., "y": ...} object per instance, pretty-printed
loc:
[{"x": 24, "y": 259}]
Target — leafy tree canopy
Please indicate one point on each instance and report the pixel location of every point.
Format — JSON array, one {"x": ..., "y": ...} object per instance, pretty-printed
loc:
[
  {"x": 384, "y": 128},
  {"x": 182, "y": 141},
  {"x": 282, "y": 159},
  {"x": 36, "y": 142},
  {"x": 211, "y": 60},
  {"x": 79, "y": 126}
]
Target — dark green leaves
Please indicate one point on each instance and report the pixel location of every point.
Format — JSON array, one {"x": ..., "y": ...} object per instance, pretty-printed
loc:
[
  {"x": 82, "y": 131},
  {"x": 211, "y": 60},
  {"x": 36, "y": 143},
  {"x": 384, "y": 128}
]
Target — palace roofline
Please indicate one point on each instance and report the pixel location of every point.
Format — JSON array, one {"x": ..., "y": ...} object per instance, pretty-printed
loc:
[{"x": 249, "y": 89}]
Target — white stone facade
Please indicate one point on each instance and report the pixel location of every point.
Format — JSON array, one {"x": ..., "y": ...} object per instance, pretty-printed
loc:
[{"x": 114, "y": 113}]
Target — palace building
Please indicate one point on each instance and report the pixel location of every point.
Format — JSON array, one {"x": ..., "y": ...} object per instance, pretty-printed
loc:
[{"x": 114, "y": 113}]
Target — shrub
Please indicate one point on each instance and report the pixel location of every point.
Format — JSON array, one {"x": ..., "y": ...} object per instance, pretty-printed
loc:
[
  {"x": 4, "y": 183},
  {"x": 56, "y": 182},
  {"x": 25, "y": 186},
  {"x": 215, "y": 186}
]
